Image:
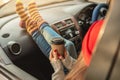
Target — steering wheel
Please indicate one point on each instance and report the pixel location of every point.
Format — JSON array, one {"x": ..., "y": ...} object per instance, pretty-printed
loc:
[{"x": 99, "y": 11}]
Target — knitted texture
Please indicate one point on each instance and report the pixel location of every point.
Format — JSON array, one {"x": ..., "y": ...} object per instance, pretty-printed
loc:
[
  {"x": 34, "y": 13},
  {"x": 20, "y": 10},
  {"x": 32, "y": 19},
  {"x": 58, "y": 70},
  {"x": 68, "y": 62}
]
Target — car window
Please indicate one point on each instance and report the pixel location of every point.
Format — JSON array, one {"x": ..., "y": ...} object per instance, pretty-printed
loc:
[
  {"x": 9, "y": 8},
  {"x": 99, "y": 1},
  {"x": 2, "y": 2}
]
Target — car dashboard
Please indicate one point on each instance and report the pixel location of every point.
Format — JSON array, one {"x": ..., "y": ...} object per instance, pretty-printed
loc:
[{"x": 69, "y": 19}]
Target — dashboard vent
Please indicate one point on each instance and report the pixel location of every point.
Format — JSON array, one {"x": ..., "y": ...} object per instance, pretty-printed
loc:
[
  {"x": 59, "y": 24},
  {"x": 64, "y": 23},
  {"x": 68, "y": 21}
]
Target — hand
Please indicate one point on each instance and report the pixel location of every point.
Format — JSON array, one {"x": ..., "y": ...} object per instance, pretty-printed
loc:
[
  {"x": 64, "y": 55},
  {"x": 67, "y": 60},
  {"x": 54, "y": 55},
  {"x": 55, "y": 61}
]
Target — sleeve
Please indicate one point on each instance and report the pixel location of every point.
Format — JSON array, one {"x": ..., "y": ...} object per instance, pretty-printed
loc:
[
  {"x": 58, "y": 70},
  {"x": 69, "y": 62}
]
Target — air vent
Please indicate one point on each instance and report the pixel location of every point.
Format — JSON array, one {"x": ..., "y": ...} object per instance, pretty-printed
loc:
[
  {"x": 59, "y": 24},
  {"x": 14, "y": 47},
  {"x": 6, "y": 35},
  {"x": 68, "y": 21}
]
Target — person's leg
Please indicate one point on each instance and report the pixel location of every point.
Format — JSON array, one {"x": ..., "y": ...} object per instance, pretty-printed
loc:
[
  {"x": 49, "y": 34},
  {"x": 42, "y": 43},
  {"x": 46, "y": 30},
  {"x": 71, "y": 48},
  {"x": 45, "y": 47},
  {"x": 33, "y": 21},
  {"x": 31, "y": 27}
]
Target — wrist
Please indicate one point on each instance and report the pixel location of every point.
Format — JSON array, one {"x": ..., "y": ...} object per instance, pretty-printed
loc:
[
  {"x": 68, "y": 62},
  {"x": 57, "y": 65}
]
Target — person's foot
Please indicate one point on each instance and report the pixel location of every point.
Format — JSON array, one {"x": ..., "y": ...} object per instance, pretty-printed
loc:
[
  {"x": 34, "y": 13},
  {"x": 26, "y": 21},
  {"x": 21, "y": 11},
  {"x": 22, "y": 24}
]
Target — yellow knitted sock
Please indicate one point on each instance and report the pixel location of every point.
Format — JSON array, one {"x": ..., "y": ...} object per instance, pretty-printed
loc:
[
  {"x": 34, "y": 13},
  {"x": 31, "y": 25},
  {"x": 20, "y": 10}
]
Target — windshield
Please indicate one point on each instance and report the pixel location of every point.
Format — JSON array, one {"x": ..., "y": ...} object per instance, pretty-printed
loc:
[
  {"x": 8, "y": 6},
  {"x": 99, "y": 1},
  {"x": 3, "y": 2}
]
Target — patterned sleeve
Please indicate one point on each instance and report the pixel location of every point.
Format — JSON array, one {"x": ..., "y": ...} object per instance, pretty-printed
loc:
[{"x": 58, "y": 70}]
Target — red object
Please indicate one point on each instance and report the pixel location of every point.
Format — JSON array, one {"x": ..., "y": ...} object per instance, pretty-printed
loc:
[
  {"x": 89, "y": 40},
  {"x": 57, "y": 53}
]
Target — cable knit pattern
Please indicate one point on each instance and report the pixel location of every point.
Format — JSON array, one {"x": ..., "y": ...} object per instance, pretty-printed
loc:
[
  {"x": 58, "y": 68},
  {"x": 34, "y": 13},
  {"x": 33, "y": 20},
  {"x": 21, "y": 11},
  {"x": 69, "y": 62}
]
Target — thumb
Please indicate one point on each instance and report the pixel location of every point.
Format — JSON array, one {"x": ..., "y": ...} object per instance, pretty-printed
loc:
[{"x": 51, "y": 55}]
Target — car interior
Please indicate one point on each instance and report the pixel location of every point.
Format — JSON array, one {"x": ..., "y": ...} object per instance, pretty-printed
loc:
[{"x": 22, "y": 59}]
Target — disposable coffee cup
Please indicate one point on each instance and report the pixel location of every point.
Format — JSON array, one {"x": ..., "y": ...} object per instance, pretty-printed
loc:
[{"x": 58, "y": 44}]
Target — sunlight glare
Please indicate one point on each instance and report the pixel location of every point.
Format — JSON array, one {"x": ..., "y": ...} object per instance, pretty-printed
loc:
[{"x": 5, "y": 1}]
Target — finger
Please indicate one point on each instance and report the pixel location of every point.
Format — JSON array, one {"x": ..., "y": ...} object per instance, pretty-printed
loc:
[
  {"x": 55, "y": 52},
  {"x": 65, "y": 53},
  {"x": 61, "y": 57},
  {"x": 51, "y": 56}
]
